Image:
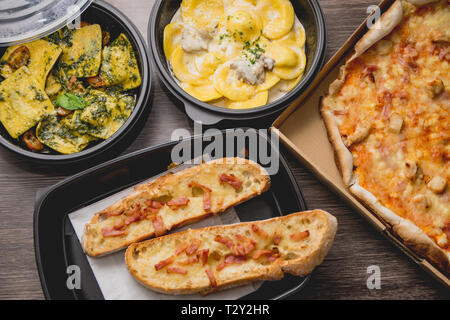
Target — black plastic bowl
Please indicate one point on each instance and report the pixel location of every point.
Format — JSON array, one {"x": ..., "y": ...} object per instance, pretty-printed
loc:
[
  {"x": 115, "y": 22},
  {"x": 310, "y": 15}
]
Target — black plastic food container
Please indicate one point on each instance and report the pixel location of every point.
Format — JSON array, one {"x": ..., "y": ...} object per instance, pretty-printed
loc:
[
  {"x": 56, "y": 243},
  {"x": 115, "y": 22},
  {"x": 310, "y": 15}
]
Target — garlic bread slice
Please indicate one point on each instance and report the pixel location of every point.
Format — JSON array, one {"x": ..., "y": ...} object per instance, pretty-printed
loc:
[
  {"x": 174, "y": 200},
  {"x": 220, "y": 257}
]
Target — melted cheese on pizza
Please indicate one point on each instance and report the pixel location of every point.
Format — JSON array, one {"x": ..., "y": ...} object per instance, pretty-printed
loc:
[{"x": 393, "y": 115}]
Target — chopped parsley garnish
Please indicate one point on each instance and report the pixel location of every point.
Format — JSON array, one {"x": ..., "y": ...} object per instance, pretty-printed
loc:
[
  {"x": 253, "y": 50},
  {"x": 223, "y": 36}
]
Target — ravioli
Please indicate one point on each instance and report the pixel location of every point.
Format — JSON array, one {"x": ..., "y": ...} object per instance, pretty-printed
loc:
[
  {"x": 23, "y": 102},
  {"x": 43, "y": 55},
  {"x": 236, "y": 54},
  {"x": 241, "y": 22},
  {"x": 119, "y": 64},
  {"x": 290, "y": 59},
  {"x": 236, "y": 90},
  {"x": 204, "y": 93},
  {"x": 53, "y": 85},
  {"x": 181, "y": 62},
  {"x": 82, "y": 51},
  {"x": 202, "y": 13},
  {"x": 278, "y": 17},
  {"x": 103, "y": 116},
  {"x": 257, "y": 100},
  {"x": 56, "y": 134},
  {"x": 34, "y": 75}
]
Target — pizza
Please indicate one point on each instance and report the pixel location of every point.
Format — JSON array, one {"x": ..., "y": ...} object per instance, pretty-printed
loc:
[{"x": 387, "y": 118}]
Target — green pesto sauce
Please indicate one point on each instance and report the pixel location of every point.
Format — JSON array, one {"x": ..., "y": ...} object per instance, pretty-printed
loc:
[
  {"x": 78, "y": 125},
  {"x": 67, "y": 37},
  {"x": 39, "y": 96},
  {"x": 51, "y": 127},
  {"x": 54, "y": 38}
]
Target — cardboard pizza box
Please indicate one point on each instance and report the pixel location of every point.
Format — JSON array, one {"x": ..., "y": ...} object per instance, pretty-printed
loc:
[{"x": 301, "y": 129}]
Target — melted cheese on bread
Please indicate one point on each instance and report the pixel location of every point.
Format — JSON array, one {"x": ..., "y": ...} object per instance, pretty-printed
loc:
[
  {"x": 148, "y": 211},
  {"x": 215, "y": 258}
]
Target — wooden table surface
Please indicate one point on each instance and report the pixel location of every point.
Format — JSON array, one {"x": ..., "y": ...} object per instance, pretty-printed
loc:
[{"x": 343, "y": 274}]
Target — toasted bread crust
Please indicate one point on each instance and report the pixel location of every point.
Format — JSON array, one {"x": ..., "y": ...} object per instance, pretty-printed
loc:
[
  {"x": 153, "y": 187},
  {"x": 301, "y": 266}
]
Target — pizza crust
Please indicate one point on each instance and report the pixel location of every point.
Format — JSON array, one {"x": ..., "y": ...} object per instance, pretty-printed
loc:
[
  {"x": 411, "y": 235},
  {"x": 336, "y": 85},
  {"x": 373, "y": 203},
  {"x": 343, "y": 156},
  {"x": 387, "y": 22}
]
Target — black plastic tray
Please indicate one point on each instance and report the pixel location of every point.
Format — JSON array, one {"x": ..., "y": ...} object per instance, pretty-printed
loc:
[{"x": 57, "y": 245}]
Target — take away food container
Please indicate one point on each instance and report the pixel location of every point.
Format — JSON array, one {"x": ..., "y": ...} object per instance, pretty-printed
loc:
[
  {"x": 301, "y": 129},
  {"x": 113, "y": 21},
  {"x": 310, "y": 15}
]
